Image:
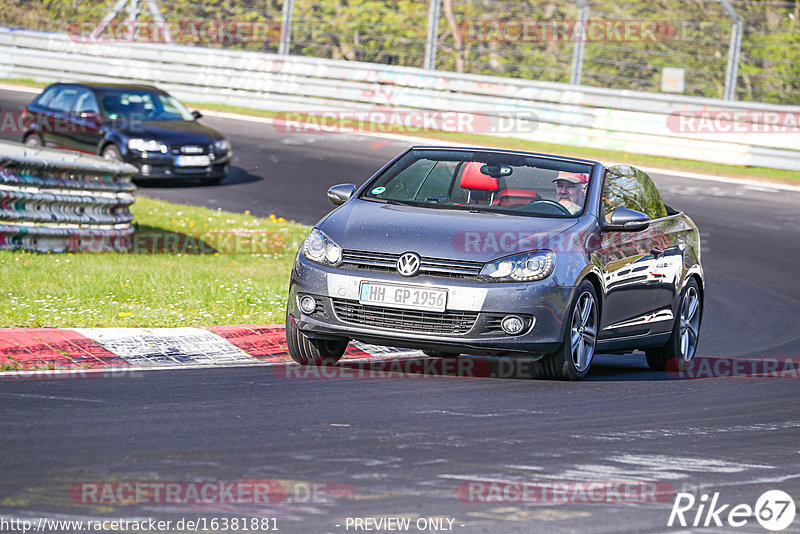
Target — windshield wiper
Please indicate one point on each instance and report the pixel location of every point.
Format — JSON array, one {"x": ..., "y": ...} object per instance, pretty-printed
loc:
[
  {"x": 395, "y": 202},
  {"x": 435, "y": 205}
]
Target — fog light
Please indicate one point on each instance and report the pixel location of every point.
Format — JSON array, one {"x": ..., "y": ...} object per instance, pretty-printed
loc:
[
  {"x": 512, "y": 324},
  {"x": 308, "y": 304}
]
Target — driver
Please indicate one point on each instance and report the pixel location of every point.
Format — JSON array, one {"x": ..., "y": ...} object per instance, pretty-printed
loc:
[{"x": 571, "y": 190}]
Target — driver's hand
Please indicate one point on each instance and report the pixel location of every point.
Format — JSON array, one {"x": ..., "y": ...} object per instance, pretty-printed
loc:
[{"x": 571, "y": 206}]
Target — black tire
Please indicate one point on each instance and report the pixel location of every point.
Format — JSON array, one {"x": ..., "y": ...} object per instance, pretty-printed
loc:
[
  {"x": 112, "y": 152},
  {"x": 33, "y": 141},
  {"x": 307, "y": 351},
  {"x": 440, "y": 354},
  {"x": 675, "y": 355},
  {"x": 581, "y": 331}
]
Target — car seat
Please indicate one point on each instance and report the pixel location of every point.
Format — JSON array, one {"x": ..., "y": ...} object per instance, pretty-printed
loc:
[{"x": 473, "y": 180}]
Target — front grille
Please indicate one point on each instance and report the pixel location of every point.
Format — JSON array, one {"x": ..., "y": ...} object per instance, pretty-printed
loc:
[
  {"x": 379, "y": 261},
  {"x": 190, "y": 170},
  {"x": 451, "y": 323},
  {"x": 319, "y": 311},
  {"x": 493, "y": 324},
  {"x": 149, "y": 170}
]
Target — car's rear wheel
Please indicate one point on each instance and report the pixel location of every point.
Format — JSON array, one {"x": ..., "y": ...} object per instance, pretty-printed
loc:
[
  {"x": 112, "y": 152},
  {"x": 440, "y": 354},
  {"x": 33, "y": 141},
  {"x": 307, "y": 351},
  {"x": 682, "y": 344},
  {"x": 573, "y": 359}
]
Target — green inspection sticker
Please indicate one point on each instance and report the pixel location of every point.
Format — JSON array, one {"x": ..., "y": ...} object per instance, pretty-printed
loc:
[{"x": 378, "y": 190}]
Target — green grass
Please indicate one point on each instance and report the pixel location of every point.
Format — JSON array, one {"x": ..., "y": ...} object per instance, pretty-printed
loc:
[
  {"x": 27, "y": 82},
  {"x": 715, "y": 169},
  {"x": 222, "y": 283}
]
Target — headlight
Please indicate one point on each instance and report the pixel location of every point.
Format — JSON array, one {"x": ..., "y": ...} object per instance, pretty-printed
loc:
[
  {"x": 320, "y": 248},
  {"x": 526, "y": 267},
  {"x": 222, "y": 146},
  {"x": 145, "y": 145}
]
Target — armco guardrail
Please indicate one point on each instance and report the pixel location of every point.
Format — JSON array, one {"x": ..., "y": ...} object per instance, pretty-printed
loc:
[
  {"x": 627, "y": 121},
  {"x": 57, "y": 201}
]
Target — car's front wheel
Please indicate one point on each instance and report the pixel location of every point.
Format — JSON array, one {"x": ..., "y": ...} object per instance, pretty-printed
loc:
[
  {"x": 33, "y": 141},
  {"x": 307, "y": 351},
  {"x": 682, "y": 344},
  {"x": 112, "y": 152},
  {"x": 573, "y": 359}
]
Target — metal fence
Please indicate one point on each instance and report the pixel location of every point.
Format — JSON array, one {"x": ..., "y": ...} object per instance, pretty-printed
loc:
[
  {"x": 629, "y": 122},
  {"x": 56, "y": 201},
  {"x": 731, "y": 49}
]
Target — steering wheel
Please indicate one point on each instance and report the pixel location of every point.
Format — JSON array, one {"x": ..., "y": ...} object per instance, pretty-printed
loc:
[{"x": 561, "y": 208}]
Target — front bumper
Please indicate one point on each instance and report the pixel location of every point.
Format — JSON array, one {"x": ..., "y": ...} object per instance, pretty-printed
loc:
[
  {"x": 478, "y": 305},
  {"x": 163, "y": 167}
]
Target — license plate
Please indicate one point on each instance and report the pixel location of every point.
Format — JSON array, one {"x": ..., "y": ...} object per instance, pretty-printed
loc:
[
  {"x": 192, "y": 161},
  {"x": 402, "y": 296}
]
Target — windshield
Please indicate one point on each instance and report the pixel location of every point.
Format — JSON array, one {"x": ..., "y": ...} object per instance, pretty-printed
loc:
[
  {"x": 142, "y": 105},
  {"x": 484, "y": 181}
]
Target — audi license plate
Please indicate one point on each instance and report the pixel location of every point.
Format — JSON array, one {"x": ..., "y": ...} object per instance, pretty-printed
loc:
[
  {"x": 402, "y": 296},
  {"x": 192, "y": 161}
]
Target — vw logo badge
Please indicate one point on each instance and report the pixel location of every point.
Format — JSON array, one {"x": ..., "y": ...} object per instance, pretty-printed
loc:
[{"x": 408, "y": 264}]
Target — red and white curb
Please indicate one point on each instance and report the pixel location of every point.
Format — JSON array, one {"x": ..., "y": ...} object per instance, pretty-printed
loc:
[{"x": 48, "y": 349}]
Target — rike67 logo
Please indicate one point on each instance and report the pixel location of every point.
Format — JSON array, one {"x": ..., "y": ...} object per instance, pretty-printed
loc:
[{"x": 774, "y": 510}]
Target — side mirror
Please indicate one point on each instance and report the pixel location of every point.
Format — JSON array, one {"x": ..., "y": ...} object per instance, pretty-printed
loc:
[
  {"x": 339, "y": 194},
  {"x": 627, "y": 220},
  {"x": 196, "y": 114}
]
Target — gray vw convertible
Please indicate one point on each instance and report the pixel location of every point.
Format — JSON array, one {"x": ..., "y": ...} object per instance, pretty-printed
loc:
[{"x": 499, "y": 253}]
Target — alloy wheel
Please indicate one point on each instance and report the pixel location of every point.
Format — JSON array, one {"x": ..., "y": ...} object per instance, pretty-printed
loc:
[
  {"x": 583, "y": 332},
  {"x": 690, "y": 323}
]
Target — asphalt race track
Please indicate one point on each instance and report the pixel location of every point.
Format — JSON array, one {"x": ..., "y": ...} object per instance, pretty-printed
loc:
[{"x": 405, "y": 447}]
